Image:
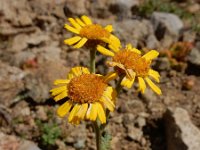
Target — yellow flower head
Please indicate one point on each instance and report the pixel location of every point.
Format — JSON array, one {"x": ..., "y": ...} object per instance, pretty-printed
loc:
[
  {"x": 89, "y": 34},
  {"x": 88, "y": 96},
  {"x": 131, "y": 64}
]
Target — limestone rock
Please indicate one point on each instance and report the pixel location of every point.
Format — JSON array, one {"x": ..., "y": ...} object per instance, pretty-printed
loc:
[
  {"x": 194, "y": 57},
  {"x": 181, "y": 132},
  {"x": 167, "y": 27},
  {"x": 28, "y": 145},
  {"x": 11, "y": 83},
  {"x": 167, "y": 21},
  {"x": 40, "y": 81}
]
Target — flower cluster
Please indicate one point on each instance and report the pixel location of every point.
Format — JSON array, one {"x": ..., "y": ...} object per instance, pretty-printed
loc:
[{"x": 88, "y": 95}]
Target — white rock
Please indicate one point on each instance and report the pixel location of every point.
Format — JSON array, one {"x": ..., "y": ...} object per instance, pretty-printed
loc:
[
  {"x": 181, "y": 132},
  {"x": 28, "y": 145},
  {"x": 167, "y": 21},
  {"x": 194, "y": 57}
]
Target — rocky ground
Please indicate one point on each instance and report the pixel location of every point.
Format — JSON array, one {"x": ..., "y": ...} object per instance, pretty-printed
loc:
[{"x": 32, "y": 55}]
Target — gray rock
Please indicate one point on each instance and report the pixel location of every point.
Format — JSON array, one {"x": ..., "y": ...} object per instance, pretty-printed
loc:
[
  {"x": 9, "y": 142},
  {"x": 194, "y": 57},
  {"x": 28, "y": 145},
  {"x": 20, "y": 59},
  {"x": 181, "y": 132},
  {"x": 166, "y": 22},
  {"x": 134, "y": 133},
  {"x": 132, "y": 106},
  {"x": 75, "y": 7},
  {"x": 141, "y": 122},
  {"x": 40, "y": 113},
  {"x": 133, "y": 31},
  {"x": 79, "y": 144},
  {"x": 149, "y": 96},
  {"x": 15, "y": 143},
  {"x": 11, "y": 80},
  {"x": 38, "y": 38},
  {"x": 19, "y": 14},
  {"x": 162, "y": 64},
  {"x": 19, "y": 43},
  {"x": 152, "y": 42},
  {"x": 167, "y": 27},
  {"x": 117, "y": 119},
  {"x": 127, "y": 119},
  {"x": 122, "y": 8},
  {"x": 40, "y": 81},
  {"x": 127, "y": 3}
]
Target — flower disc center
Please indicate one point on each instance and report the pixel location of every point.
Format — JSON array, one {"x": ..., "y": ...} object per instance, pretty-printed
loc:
[
  {"x": 86, "y": 88},
  {"x": 132, "y": 60},
  {"x": 94, "y": 32}
]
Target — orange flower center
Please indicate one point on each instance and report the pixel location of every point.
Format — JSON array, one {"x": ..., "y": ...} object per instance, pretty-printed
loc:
[
  {"x": 132, "y": 60},
  {"x": 94, "y": 32},
  {"x": 86, "y": 88}
]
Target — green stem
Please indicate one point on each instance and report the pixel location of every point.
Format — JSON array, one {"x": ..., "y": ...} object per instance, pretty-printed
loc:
[
  {"x": 92, "y": 60},
  {"x": 97, "y": 126},
  {"x": 118, "y": 86},
  {"x": 98, "y": 135}
]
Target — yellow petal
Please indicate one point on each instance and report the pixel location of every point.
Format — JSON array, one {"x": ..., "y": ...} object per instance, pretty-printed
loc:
[
  {"x": 93, "y": 112},
  {"x": 115, "y": 41},
  {"x": 72, "y": 40},
  {"x": 127, "y": 82},
  {"x": 109, "y": 28},
  {"x": 155, "y": 88},
  {"x": 110, "y": 76},
  {"x": 114, "y": 48},
  {"x": 80, "y": 22},
  {"x": 135, "y": 50},
  {"x": 85, "y": 70},
  {"x": 108, "y": 103},
  {"x": 109, "y": 92},
  {"x": 104, "y": 51},
  {"x": 101, "y": 113},
  {"x": 111, "y": 63},
  {"x": 75, "y": 24},
  {"x": 82, "y": 111},
  {"x": 71, "y": 29},
  {"x": 64, "y": 108},
  {"x": 89, "y": 111},
  {"x": 73, "y": 112},
  {"x": 77, "y": 71},
  {"x": 115, "y": 64},
  {"x": 58, "y": 90},
  {"x": 154, "y": 74},
  {"x": 142, "y": 85},
  {"x": 80, "y": 43},
  {"x": 150, "y": 55},
  {"x": 61, "y": 96},
  {"x": 130, "y": 73},
  {"x": 105, "y": 39},
  {"x": 129, "y": 46},
  {"x": 75, "y": 121},
  {"x": 86, "y": 20},
  {"x": 61, "y": 81},
  {"x": 70, "y": 75}
]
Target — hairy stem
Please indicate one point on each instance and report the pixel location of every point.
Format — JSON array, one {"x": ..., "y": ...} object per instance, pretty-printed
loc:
[
  {"x": 97, "y": 126},
  {"x": 92, "y": 61},
  {"x": 98, "y": 135}
]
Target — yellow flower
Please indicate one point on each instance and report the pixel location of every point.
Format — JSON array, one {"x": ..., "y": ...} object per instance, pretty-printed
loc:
[
  {"x": 88, "y": 95},
  {"x": 129, "y": 63},
  {"x": 89, "y": 34}
]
